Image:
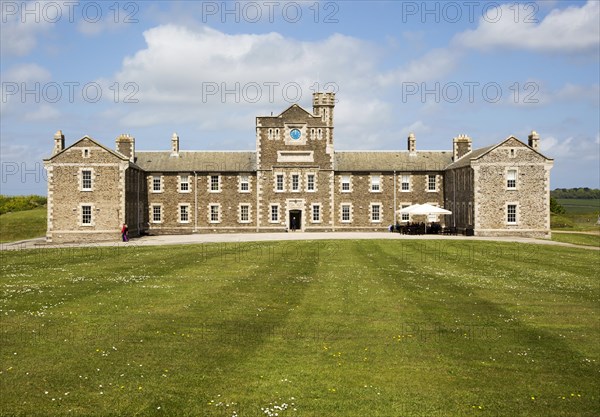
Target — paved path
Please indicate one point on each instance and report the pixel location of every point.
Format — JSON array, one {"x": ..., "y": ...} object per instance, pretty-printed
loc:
[{"x": 265, "y": 237}]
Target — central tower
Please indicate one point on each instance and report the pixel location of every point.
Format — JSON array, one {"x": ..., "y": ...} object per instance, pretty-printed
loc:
[{"x": 294, "y": 159}]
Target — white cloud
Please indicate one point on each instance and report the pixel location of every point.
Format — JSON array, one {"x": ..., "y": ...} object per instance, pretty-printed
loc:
[
  {"x": 18, "y": 78},
  {"x": 203, "y": 75},
  {"x": 432, "y": 66},
  {"x": 41, "y": 113},
  {"x": 179, "y": 62},
  {"x": 579, "y": 148},
  {"x": 26, "y": 73},
  {"x": 19, "y": 31},
  {"x": 574, "y": 29},
  {"x": 107, "y": 24}
]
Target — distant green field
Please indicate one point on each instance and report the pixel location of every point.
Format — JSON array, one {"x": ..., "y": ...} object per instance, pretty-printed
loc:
[
  {"x": 576, "y": 206},
  {"x": 581, "y": 215},
  {"x": 22, "y": 225},
  {"x": 301, "y": 329}
]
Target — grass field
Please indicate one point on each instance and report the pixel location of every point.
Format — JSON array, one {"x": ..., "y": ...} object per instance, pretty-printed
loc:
[
  {"x": 577, "y": 238},
  {"x": 581, "y": 215},
  {"x": 578, "y": 206},
  {"x": 23, "y": 225},
  {"x": 304, "y": 329}
]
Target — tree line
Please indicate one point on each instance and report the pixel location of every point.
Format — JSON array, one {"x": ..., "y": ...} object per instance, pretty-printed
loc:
[
  {"x": 576, "y": 193},
  {"x": 9, "y": 204}
]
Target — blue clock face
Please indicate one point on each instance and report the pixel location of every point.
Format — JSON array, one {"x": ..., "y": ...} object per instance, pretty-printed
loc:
[{"x": 295, "y": 134}]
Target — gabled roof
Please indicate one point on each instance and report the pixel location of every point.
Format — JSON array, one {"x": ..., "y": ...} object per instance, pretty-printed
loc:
[
  {"x": 478, "y": 153},
  {"x": 86, "y": 137},
  {"x": 391, "y": 161},
  {"x": 295, "y": 109},
  {"x": 203, "y": 161},
  {"x": 294, "y": 113}
]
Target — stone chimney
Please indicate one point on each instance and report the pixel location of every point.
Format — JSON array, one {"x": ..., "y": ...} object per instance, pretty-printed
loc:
[
  {"x": 126, "y": 146},
  {"x": 461, "y": 145},
  {"x": 59, "y": 142},
  {"x": 174, "y": 145},
  {"x": 412, "y": 143},
  {"x": 534, "y": 140},
  {"x": 323, "y": 104}
]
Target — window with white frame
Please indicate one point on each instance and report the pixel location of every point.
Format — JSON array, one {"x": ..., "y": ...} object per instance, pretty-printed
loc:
[
  {"x": 215, "y": 183},
  {"x": 511, "y": 179},
  {"x": 405, "y": 183},
  {"x": 86, "y": 215},
  {"x": 85, "y": 152},
  {"x": 184, "y": 183},
  {"x": 274, "y": 213},
  {"x": 184, "y": 213},
  {"x": 310, "y": 182},
  {"x": 156, "y": 184},
  {"x": 346, "y": 213},
  {"x": 375, "y": 212},
  {"x": 156, "y": 214},
  {"x": 316, "y": 213},
  {"x": 295, "y": 182},
  {"x": 345, "y": 183},
  {"x": 244, "y": 183},
  {"x": 431, "y": 183},
  {"x": 511, "y": 213},
  {"x": 244, "y": 213},
  {"x": 215, "y": 213},
  {"x": 319, "y": 134},
  {"x": 375, "y": 183},
  {"x": 404, "y": 217},
  {"x": 86, "y": 180},
  {"x": 279, "y": 182}
]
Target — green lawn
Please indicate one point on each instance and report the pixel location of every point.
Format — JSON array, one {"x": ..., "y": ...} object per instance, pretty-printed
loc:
[
  {"x": 304, "y": 329},
  {"x": 23, "y": 225},
  {"x": 577, "y": 238}
]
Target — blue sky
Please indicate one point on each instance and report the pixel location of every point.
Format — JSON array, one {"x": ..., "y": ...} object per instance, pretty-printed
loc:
[{"x": 206, "y": 69}]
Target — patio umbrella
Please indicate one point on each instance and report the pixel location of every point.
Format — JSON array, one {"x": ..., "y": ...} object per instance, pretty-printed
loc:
[{"x": 425, "y": 209}]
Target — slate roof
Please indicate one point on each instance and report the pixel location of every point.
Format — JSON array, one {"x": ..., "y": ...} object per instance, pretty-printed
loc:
[
  {"x": 346, "y": 161},
  {"x": 466, "y": 159},
  {"x": 245, "y": 161},
  {"x": 203, "y": 161},
  {"x": 98, "y": 144}
]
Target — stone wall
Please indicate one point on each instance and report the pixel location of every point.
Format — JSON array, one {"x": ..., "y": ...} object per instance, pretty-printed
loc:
[
  {"x": 531, "y": 196},
  {"x": 362, "y": 198},
  {"x": 66, "y": 197}
]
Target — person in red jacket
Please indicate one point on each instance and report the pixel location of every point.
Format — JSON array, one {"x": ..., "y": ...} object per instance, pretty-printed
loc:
[{"x": 125, "y": 232}]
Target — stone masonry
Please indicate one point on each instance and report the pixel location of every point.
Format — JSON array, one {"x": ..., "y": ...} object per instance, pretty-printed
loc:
[{"x": 293, "y": 180}]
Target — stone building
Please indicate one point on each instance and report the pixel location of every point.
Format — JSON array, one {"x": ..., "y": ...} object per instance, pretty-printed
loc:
[{"x": 294, "y": 180}]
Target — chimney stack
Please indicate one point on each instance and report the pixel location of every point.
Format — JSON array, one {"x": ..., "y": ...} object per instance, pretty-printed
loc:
[
  {"x": 59, "y": 142},
  {"x": 534, "y": 140},
  {"x": 126, "y": 146},
  {"x": 412, "y": 143},
  {"x": 174, "y": 145},
  {"x": 461, "y": 145}
]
